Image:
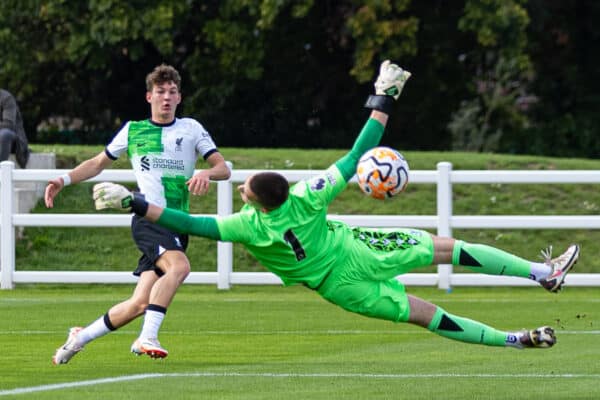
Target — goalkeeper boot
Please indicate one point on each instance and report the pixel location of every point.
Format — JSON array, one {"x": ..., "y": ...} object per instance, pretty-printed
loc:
[
  {"x": 560, "y": 265},
  {"x": 538, "y": 338},
  {"x": 69, "y": 349},
  {"x": 151, "y": 347}
]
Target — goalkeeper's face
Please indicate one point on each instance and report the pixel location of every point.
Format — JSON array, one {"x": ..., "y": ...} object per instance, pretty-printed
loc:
[
  {"x": 248, "y": 195},
  {"x": 164, "y": 99}
]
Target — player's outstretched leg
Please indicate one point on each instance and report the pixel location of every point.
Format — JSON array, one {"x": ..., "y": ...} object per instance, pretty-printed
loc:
[
  {"x": 151, "y": 347},
  {"x": 69, "y": 349},
  {"x": 489, "y": 260},
  {"x": 469, "y": 331},
  {"x": 560, "y": 265}
]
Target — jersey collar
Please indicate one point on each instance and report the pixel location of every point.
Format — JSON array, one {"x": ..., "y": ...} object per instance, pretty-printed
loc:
[{"x": 162, "y": 125}]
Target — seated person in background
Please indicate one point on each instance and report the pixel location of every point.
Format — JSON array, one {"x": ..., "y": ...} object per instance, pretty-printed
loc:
[{"x": 12, "y": 134}]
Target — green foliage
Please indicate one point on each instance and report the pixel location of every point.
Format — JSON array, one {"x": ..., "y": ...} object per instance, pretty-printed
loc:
[
  {"x": 283, "y": 73},
  {"x": 499, "y": 110},
  {"x": 501, "y": 99},
  {"x": 381, "y": 34},
  {"x": 499, "y": 25}
]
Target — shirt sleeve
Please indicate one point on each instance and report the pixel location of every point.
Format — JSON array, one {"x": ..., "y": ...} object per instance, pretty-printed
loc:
[
  {"x": 321, "y": 189},
  {"x": 368, "y": 138},
  {"x": 118, "y": 144},
  {"x": 205, "y": 146},
  {"x": 238, "y": 227},
  {"x": 182, "y": 222}
]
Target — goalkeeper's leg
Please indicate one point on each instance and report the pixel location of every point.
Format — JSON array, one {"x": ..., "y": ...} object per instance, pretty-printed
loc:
[
  {"x": 487, "y": 259},
  {"x": 450, "y": 326}
]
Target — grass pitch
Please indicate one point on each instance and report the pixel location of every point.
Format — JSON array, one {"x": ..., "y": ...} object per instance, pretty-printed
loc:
[{"x": 269, "y": 342}]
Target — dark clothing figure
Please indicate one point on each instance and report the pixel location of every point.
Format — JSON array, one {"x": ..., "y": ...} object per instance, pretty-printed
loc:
[{"x": 12, "y": 134}]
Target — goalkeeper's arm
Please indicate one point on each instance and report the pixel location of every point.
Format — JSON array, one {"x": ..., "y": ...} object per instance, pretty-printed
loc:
[
  {"x": 388, "y": 86},
  {"x": 182, "y": 222},
  {"x": 111, "y": 195}
]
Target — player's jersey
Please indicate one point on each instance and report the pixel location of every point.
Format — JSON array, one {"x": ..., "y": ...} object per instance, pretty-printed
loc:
[
  {"x": 163, "y": 157},
  {"x": 295, "y": 241}
]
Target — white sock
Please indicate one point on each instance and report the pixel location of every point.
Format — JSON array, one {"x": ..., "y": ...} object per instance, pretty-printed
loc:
[
  {"x": 152, "y": 323},
  {"x": 92, "y": 331},
  {"x": 540, "y": 271},
  {"x": 514, "y": 340}
]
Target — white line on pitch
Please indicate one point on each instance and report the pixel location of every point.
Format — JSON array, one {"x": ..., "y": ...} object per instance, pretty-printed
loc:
[
  {"x": 307, "y": 333},
  {"x": 68, "y": 385}
]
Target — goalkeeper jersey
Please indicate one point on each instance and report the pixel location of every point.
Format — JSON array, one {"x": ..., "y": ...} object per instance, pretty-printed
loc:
[
  {"x": 163, "y": 157},
  {"x": 295, "y": 241}
]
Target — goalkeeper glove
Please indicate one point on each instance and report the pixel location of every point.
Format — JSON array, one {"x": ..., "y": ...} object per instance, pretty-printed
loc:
[
  {"x": 391, "y": 80},
  {"x": 110, "y": 195},
  {"x": 388, "y": 86}
]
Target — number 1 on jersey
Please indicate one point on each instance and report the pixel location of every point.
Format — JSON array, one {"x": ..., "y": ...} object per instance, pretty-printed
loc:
[{"x": 293, "y": 241}]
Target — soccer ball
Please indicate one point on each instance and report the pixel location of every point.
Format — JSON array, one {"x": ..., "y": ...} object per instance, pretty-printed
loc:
[{"x": 382, "y": 172}]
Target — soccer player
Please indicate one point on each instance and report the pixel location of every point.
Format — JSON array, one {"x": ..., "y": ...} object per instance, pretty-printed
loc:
[
  {"x": 163, "y": 151},
  {"x": 288, "y": 231}
]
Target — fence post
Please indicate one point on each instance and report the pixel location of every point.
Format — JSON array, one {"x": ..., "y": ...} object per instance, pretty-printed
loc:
[
  {"x": 444, "y": 213},
  {"x": 7, "y": 231},
  {"x": 224, "y": 249}
]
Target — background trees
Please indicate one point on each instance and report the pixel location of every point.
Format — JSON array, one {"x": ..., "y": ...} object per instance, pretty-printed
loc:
[{"x": 488, "y": 75}]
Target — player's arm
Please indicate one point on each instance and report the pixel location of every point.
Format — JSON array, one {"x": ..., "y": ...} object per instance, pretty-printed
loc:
[
  {"x": 111, "y": 195},
  {"x": 388, "y": 86},
  {"x": 218, "y": 171},
  {"x": 83, "y": 171}
]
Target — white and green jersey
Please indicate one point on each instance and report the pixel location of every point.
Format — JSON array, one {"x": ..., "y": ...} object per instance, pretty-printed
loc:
[{"x": 163, "y": 157}]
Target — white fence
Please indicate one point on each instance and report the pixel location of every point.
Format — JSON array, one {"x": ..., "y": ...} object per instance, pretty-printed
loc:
[{"x": 224, "y": 277}]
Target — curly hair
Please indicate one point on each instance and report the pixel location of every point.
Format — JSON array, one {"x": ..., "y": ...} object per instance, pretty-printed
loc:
[{"x": 162, "y": 74}]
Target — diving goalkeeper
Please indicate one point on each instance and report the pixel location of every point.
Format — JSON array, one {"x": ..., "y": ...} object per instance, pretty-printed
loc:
[{"x": 288, "y": 231}]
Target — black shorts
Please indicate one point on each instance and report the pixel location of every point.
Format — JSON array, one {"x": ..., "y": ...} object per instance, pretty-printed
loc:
[{"x": 152, "y": 239}]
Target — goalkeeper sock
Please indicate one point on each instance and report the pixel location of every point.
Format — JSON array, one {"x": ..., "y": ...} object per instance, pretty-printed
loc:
[
  {"x": 489, "y": 260},
  {"x": 152, "y": 321},
  {"x": 469, "y": 331}
]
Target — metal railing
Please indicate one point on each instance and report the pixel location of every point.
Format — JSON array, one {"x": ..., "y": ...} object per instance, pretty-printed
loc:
[{"x": 443, "y": 222}]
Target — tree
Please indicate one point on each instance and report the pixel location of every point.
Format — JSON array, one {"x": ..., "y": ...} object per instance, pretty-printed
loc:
[{"x": 502, "y": 70}]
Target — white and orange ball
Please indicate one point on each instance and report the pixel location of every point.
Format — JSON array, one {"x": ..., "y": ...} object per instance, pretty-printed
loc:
[{"x": 382, "y": 172}]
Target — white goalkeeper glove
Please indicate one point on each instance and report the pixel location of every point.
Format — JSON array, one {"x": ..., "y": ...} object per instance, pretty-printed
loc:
[
  {"x": 391, "y": 80},
  {"x": 110, "y": 195}
]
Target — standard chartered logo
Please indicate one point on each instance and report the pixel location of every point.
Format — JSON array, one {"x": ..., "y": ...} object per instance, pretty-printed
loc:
[
  {"x": 165, "y": 163},
  {"x": 145, "y": 163}
]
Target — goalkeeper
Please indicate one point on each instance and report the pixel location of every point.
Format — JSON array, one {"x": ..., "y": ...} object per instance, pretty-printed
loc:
[{"x": 287, "y": 230}]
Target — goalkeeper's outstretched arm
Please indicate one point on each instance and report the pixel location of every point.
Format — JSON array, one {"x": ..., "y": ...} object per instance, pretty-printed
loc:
[
  {"x": 111, "y": 195},
  {"x": 388, "y": 87}
]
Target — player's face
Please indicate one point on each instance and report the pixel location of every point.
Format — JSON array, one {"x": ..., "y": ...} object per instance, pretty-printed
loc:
[
  {"x": 164, "y": 99},
  {"x": 246, "y": 193}
]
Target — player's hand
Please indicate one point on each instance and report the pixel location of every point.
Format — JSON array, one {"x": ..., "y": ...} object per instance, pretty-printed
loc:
[
  {"x": 199, "y": 184},
  {"x": 54, "y": 186},
  {"x": 110, "y": 195},
  {"x": 391, "y": 80}
]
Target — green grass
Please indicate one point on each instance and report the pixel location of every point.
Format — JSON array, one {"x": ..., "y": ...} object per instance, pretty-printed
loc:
[
  {"x": 269, "y": 342},
  {"x": 111, "y": 249}
]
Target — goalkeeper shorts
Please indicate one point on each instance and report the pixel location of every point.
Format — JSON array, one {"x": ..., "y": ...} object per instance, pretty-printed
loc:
[{"x": 365, "y": 282}]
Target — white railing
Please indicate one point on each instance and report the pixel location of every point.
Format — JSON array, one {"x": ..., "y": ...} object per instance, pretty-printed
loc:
[{"x": 224, "y": 277}]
